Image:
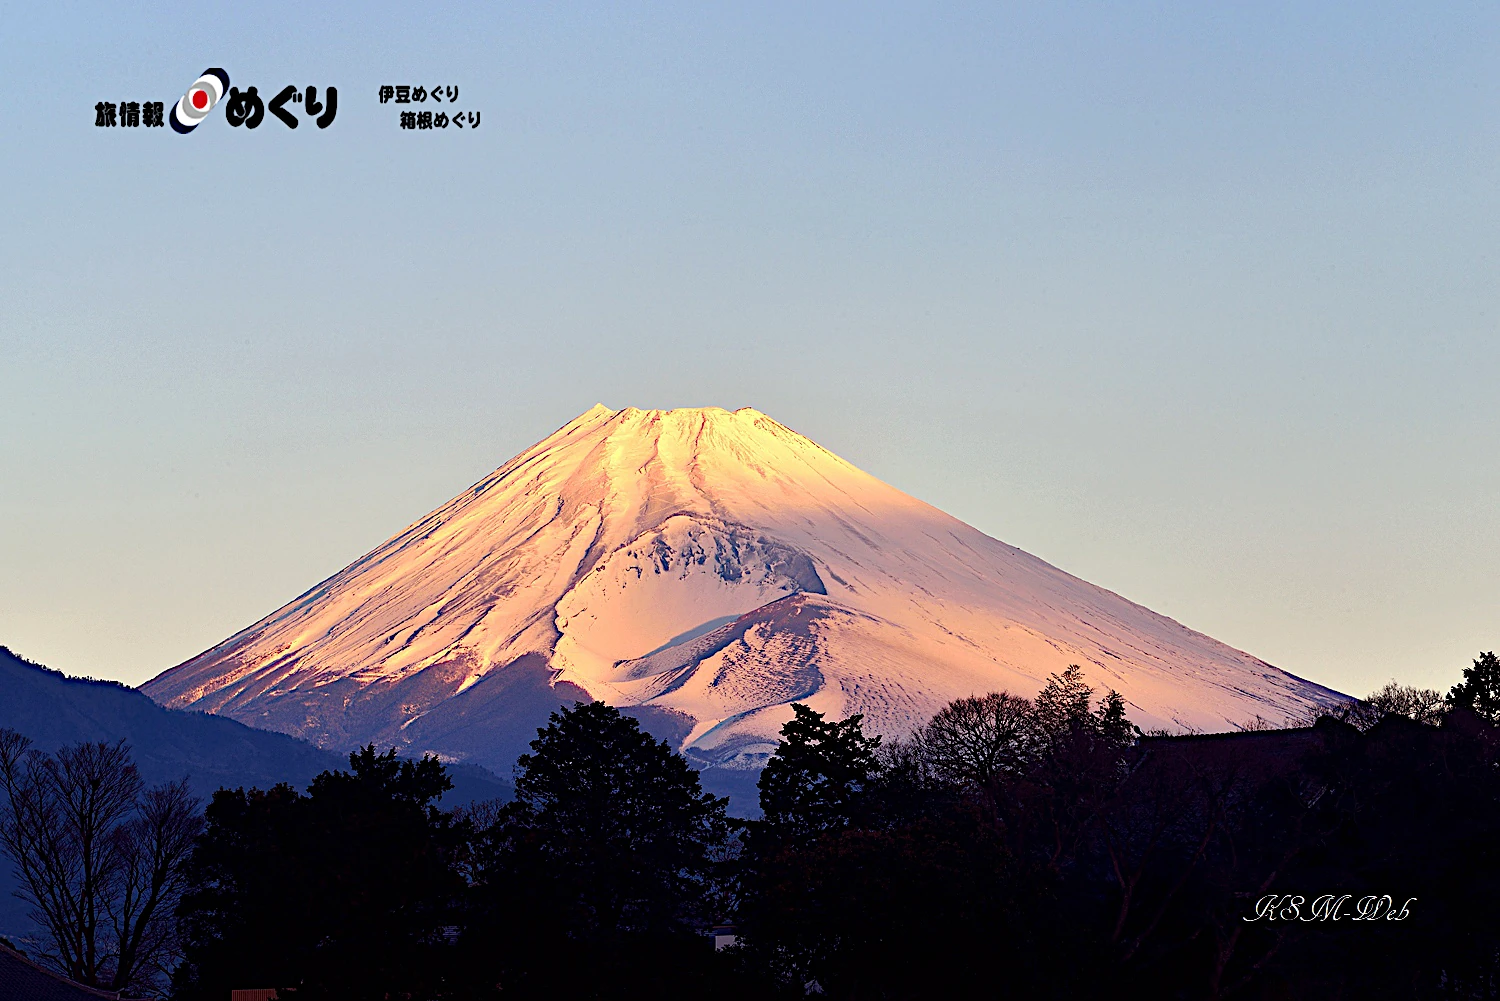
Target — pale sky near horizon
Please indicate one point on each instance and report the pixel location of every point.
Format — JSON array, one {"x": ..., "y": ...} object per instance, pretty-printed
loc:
[{"x": 1197, "y": 302}]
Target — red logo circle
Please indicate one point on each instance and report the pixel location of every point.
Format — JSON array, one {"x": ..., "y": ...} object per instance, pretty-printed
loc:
[{"x": 200, "y": 98}]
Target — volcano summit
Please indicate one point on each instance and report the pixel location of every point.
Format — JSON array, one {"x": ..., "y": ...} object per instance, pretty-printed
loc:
[{"x": 708, "y": 569}]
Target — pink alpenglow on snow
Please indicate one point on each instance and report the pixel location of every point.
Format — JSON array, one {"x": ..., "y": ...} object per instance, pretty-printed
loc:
[{"x": 708, "y": 569}]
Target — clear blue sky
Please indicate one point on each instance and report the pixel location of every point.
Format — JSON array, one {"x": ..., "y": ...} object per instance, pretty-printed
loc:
[{"x": 1196, "y": 301}]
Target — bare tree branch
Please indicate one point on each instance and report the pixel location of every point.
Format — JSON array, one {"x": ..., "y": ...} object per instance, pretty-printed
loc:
[{"x": 101, "y": 861}]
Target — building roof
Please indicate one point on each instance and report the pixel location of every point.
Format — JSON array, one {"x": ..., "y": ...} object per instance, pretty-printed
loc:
[{"x": 23, "y": 980}]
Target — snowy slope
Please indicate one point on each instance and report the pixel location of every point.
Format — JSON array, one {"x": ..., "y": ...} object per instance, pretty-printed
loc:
[{"x": 709, "y": 568}]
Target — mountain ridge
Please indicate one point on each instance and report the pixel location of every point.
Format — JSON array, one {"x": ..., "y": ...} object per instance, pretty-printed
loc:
[{"x": 54, "y": 710}]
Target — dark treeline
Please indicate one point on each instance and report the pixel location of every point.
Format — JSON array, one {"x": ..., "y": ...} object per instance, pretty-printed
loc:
[{"x": 1028, "y": 848}]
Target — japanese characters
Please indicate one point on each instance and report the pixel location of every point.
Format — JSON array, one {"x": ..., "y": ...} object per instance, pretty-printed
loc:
[
  {"x": 128, "y": 114},
  {"x": 249, "y": 109},
  {"x": 443, "y": 118}
]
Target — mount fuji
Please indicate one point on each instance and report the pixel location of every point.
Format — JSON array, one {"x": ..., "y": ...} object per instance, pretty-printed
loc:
[{"x": 702, "y": 570}]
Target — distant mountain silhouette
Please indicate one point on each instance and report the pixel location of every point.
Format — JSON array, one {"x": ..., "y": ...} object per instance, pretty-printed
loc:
[{"x": 210, "y": 751}]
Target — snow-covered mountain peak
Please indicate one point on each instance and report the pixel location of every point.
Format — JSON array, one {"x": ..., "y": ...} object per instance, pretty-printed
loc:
[{"x": 710, "y": 567}]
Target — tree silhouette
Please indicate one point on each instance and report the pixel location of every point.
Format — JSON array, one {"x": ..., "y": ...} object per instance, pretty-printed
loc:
[
  {"x": 344, "y": 892},
  {"x": 1479, "y": 692},
  {"x": 981, "y": 739},
  {"x": 817, "y": 778},
  {"x": 619, "y": 817},
  {"x": 610, "y": 846},
  {"x": 101, "y": 859}
]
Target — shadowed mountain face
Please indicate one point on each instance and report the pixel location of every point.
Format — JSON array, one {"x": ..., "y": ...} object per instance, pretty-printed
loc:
[
  {"x": 54, "y": 710},
  {"x": 705, "y": 569},
  {"x": 209, "y": 751}
]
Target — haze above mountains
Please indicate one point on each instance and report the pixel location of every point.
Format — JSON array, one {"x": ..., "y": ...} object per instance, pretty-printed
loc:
[{"x": 703, "y": 570}]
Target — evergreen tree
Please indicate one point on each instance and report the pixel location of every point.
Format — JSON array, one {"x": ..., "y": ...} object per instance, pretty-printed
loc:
[
  {"x": 619, "y": 818},
  {"x": 1111, "y": 723},
  {"x": 1063, "y": 703},
  {"x": 344, "y": 892},
  {"x": 1080, "y": 762},
  {"x": 1479, "y": 692},
  {"x": 816, "y": 780},
  {"x": 611, "y": 847}
]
